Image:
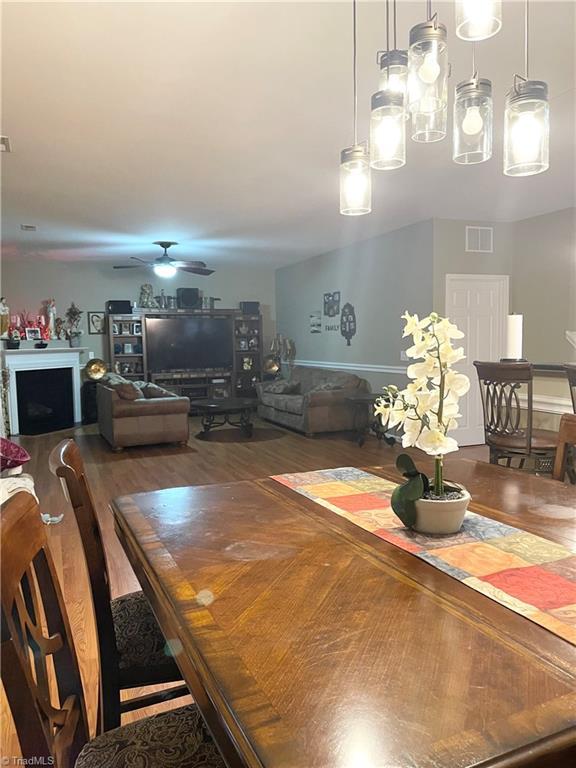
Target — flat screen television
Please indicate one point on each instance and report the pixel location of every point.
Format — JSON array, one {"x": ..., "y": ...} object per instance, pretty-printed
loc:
[{"x": 188, "y": 343}]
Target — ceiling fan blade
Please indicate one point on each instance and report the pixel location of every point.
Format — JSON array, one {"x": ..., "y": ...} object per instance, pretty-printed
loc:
[
  {"x": 137, "y": 258},
  {"x": 126, "y": 266},
  {"x": 196, "y": 270},
  {"x": 198, "y": 264}
]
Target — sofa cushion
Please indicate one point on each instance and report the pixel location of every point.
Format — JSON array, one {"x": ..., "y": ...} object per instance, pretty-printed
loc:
[
  {"x": 286, "y": 403},
  {"x": 127, "y": 390},
  {"x": 309, "y": 378},
  {"x": 152, "y": 391},
  {"x": 327, "y": 386},
  {"x": 154, "y": 407},
  {"x": 282, "y": 387}
]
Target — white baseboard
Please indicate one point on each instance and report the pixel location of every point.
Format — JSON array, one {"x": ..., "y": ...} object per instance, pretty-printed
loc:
[{"x": 363, "y": 367}]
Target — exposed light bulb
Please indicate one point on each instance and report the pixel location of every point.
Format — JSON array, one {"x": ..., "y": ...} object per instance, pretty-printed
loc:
[
  {"x": 387, "y": 136},
  {"x": 395, "y": 84},
  {"x": 473, "y": 122},
  {"x": 526, "y": 135},
  {"x": 480, "y": 16},
  {"x": 355, "y": 187},
  {"x": 430, "y": 68},
  {"x": 164, "y": 270}
]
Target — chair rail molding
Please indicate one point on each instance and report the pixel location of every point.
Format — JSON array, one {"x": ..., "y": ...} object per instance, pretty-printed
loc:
[
  {"x": 365, "y": 367},
  {"x": 548, "y": 404}
]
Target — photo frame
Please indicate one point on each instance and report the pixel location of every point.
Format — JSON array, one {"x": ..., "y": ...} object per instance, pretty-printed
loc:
[
  {"x": 33, "y": 334},
  {"x": 137, "y": 329},
  {"x": 128, "y": 349},
  {"x": 96, "y": 323},
  {"x": 115, "y": 329}
]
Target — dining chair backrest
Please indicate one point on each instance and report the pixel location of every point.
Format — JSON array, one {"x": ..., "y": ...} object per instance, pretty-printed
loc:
[
  {"x": 500, "y": 387},
  {"x": 566, "y": 438},
  {"x": 66, "y": 463},
  {"x": 570, "y": 369},
  {"x": 39, "y": 666}
]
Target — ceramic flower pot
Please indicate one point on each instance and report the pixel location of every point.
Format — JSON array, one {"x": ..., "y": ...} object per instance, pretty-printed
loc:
[{"x": 441, "y": 515}]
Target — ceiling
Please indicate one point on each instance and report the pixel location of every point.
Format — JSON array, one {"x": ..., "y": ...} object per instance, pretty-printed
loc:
[{"x": 220, "y": 125}]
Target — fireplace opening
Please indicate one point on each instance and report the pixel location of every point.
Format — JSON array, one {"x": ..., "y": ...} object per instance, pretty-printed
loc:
[{"x": 45, "y": 400}]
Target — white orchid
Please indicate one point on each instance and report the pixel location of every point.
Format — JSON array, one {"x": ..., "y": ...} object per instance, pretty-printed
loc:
[{"x": 427, "y": 409}]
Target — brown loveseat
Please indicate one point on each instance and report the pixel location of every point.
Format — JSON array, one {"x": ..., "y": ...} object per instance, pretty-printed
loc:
[
  {"x": 142, "y": 421},
  {"x": 312, "y": 400}
]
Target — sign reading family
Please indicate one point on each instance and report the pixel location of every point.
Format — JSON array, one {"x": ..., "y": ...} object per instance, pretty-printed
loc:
[{"x": 343, "y": 317}]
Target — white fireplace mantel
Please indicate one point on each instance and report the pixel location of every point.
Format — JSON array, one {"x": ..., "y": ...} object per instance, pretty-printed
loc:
[{"x": 14, "y": 360}]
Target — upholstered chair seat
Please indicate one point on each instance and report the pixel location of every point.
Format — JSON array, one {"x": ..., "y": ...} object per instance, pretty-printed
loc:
[{"x": 175, "y": 739}]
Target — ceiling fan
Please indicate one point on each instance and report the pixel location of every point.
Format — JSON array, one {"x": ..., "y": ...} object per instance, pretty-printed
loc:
[{"x": 166, "y": 266}]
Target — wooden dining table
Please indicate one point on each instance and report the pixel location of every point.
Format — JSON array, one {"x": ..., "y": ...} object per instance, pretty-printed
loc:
[{"x": 308, "y": 642}]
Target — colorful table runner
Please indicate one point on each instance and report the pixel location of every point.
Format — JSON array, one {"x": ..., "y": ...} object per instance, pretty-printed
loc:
[{"x": 528, "y": 574}]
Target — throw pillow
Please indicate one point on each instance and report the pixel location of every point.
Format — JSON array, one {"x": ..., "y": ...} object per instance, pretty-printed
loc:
[
  {"x": 151, "y": 391},
  {"x": 282, "y": 387},
  {"x": 12, "y": 455},
  {"x": 127, "y": 390},
  {"x": 327, "y": 386}
]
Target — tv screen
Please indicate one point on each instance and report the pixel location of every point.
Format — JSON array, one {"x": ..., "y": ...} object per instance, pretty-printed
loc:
[{"x": 188, "y": 343}]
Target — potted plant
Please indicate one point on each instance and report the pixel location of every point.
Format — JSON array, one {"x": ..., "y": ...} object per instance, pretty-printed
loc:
[
  {"x": 427, "y": 410},
  {"x": 73, "y": 316}
]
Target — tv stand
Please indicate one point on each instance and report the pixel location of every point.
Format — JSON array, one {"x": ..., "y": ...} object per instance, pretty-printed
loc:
[{"x": 128, "y": 357}]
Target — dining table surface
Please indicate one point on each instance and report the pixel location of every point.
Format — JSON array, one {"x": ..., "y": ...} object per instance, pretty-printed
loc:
[{"x": 308, "y": 642}]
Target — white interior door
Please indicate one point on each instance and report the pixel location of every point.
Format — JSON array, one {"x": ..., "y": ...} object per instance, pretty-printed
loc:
[{"x": 478, "y": 304}]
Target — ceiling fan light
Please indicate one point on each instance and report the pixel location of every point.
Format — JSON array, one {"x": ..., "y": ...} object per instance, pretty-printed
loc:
[
  {"x": 478, "y": 19},
  {"x": 164, "y": 270}
]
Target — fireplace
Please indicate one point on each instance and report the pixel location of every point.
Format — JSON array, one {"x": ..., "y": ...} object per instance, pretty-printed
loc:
[
  {"x": 45, "y": 400},
  {"x": 43, "y": 388}
]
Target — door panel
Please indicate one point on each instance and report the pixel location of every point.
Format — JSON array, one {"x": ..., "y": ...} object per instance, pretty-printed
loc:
[{"x": 478, "y": 304}]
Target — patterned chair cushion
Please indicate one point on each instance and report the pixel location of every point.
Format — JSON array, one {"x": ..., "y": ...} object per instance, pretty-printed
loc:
[
  {"x": 144, "y": 654},
  {"x": 175, "y": 739}
]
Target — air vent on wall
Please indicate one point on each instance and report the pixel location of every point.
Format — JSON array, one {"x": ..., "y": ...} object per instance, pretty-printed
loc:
[
  {"x": 479, "y": 239},
  {"x": 28, "y": 227}
]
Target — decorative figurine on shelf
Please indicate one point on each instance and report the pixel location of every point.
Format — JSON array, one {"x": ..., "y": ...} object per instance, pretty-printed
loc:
[
  {"x": 73, "y": 316},
  {"x": 247, "y": 363},
  {"x": 59, "y": 332},
  {"x": 4, "y": 318},
  {"x": 147, "y": 300},
  {"x": 50, "y": 311}
]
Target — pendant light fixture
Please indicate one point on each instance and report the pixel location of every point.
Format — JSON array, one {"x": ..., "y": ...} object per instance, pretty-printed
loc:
[
  {"x": 473, "y": 117},
  {"x": 393, "y": 63},
  {"x": 428, "y": 79},
  {"x": 388, "y": 120},
  {"x": 355, "y": 178},
  {"x": 478, "y": 19},
  {"x": 526, "y": 121}
]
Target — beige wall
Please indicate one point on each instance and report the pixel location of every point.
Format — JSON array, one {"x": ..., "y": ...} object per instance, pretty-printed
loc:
[{"x": 25, "y": 285}]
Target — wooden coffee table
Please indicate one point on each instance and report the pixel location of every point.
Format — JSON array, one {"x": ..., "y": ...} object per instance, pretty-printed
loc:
[{"x": 236, "y": 411}]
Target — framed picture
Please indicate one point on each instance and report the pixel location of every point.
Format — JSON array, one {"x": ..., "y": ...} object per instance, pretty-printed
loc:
[
  {"x": 96, "y": 323},
  {"x": 243, "y": 344},
  {"x": 137, "y": 329},
  {"x": 115, "y": 329},
  {"x": 33, "y": 334},
  {"x": 128, "y": 349},
  {"x": 125, "y": 329}
]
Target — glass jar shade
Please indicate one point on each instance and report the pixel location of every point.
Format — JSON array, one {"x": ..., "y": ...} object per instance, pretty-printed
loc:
[
  {"x": 387, "y": 132},
  {"x": 355, "y": 182},
  {"x": 394, "y": 73},
  {"x": 473, "y": 119},
  {"x": 428, "y": 81},
  {"x": 526, "y": 129},
  {"x": 478, "y": 19}
]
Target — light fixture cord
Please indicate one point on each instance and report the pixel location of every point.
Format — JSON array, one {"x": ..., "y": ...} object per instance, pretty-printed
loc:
[
  {"x": 526, "y": 39},
  {"x": 429, "y": 9},
  {"x": 355, "y": 73},
  {"x": 473, "y": 61},
  {"x": 394, "y": 18},
  {"x": 388, "y": 26}
]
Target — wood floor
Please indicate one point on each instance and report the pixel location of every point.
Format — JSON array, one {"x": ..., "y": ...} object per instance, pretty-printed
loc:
[{"x": 226, "y": 456}]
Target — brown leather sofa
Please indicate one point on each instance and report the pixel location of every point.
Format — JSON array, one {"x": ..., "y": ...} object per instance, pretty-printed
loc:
[
  {"x": 317, "y": 403},
  {"x": 141, "y": 421}
]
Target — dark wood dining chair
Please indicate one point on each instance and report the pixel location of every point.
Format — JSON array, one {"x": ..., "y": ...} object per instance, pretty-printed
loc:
[
  {"x": 506, "y": 434},
  {"x": 133, "y": 651},
  {"x": 564, "y": 463},
  {"x": 42, "y": 680},
  {"x": 570, "y": 369}
]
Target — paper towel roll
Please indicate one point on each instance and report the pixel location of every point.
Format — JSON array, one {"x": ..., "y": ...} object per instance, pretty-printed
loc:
[{"x": 514, "y": 337}]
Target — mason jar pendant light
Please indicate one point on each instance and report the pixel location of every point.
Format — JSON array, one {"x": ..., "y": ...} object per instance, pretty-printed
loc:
[
  {"x": 526, "y": 121},
  {"x": 388, "y": 121},
  {"x": 355, "y": 178},
  {"x": 473, "y": 117},
  {"x": 478, "y": 19},
  {"x": 393, "y": 63},
  {"x": 428, "y": 79}
]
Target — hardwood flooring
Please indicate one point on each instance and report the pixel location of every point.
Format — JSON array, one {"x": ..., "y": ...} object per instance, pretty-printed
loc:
[{"x": 225, "y": 456}]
